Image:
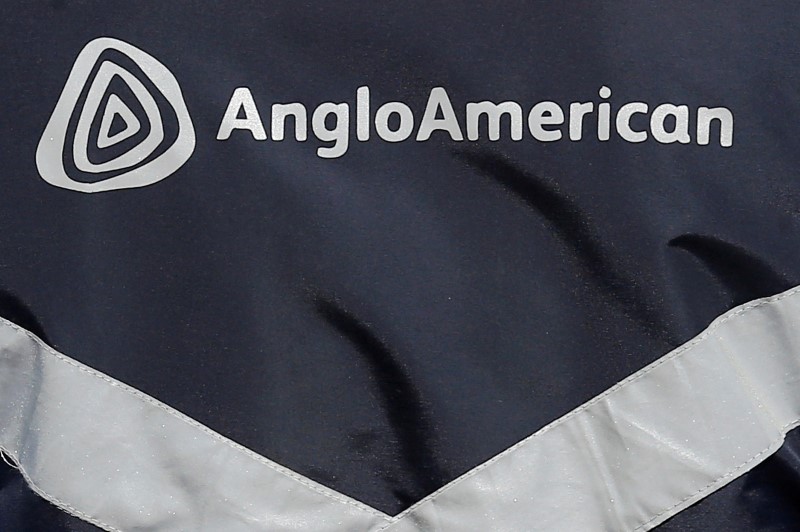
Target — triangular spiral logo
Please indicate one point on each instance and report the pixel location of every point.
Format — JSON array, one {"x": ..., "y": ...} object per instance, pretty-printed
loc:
[{"x": 144, "y": 151}]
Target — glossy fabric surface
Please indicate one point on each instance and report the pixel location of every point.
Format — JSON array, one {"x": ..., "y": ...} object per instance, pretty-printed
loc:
[
  {"x": 122, "y": 461},
  {"x": 384, "y": 322},
  {"x": 628, "y": 460},
  {"x": 651, "y": 446}
]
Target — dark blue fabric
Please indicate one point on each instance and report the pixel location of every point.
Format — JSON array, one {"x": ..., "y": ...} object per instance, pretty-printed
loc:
[{"x": 385, "y": 321}]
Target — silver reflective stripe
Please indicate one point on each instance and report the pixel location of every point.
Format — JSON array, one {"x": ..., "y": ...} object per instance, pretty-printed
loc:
[
  {"x": 627, "y": 460},
  {"x": 647, "y": 448},
  {"x": 123, "y": 461}
]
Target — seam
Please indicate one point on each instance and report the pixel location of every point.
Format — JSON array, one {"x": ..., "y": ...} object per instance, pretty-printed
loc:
[
  {"x": 193, "y": 423},
  {"x": 55, "y": 501},
  {"x": 721, "y": 480},
  {"x": 679, "y": 351},
  {"x": 390, "y": 520}
]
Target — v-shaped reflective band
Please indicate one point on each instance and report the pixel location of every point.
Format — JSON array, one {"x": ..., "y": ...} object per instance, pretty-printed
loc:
[{"x": 627, "y": 460}]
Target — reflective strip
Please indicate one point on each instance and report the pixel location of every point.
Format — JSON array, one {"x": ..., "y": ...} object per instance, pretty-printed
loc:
[
  {"x": 627, "y": 460},
  {"x": 121, "y": 460},
  {"x": 649, "y": 447}
]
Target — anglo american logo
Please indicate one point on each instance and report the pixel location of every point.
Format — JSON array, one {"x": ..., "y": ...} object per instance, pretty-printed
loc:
[
  {"x": 147, "y": 154},
  {"x": 157, "y": 136}
]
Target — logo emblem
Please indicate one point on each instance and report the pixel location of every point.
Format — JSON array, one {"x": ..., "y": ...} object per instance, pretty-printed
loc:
[{"x": 81, "y": 148}]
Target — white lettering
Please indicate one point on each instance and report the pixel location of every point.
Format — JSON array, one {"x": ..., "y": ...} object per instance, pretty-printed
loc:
[
  {"x": 624, "y": 121},
  {"x": 545, "y": 114},
  {"x": 405, "y": 128},
  {"x": 241, "y": 100},
  {"x": 547, "y": 121},
  {"x": 279, "y": 113},
  {"x": 680, "y": 131},
  {"x": 604, "y": 115},
  {"x": 339, "y": 134},
  {"x": 576, "y": 113},
  {"x": 494, "y": 112},
  {"x": 704, "y": 118},
  {"x": 362, "y": 113},
  {"x": 439, "y": 100}
]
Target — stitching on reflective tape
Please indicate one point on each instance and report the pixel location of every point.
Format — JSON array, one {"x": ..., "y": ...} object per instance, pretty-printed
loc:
[
  {"x": 730, "y": 475},
  {"x": 55, "y": 501},
  {"x": 191, "y": 422},
  {"x": 679, "y": 351}
]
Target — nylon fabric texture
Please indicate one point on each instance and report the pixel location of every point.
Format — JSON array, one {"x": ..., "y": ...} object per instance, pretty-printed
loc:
[
  {"x": 627, "y": 460},
  {"x": 120, "y": 460},
  {"x": 385, "y": 310}
]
